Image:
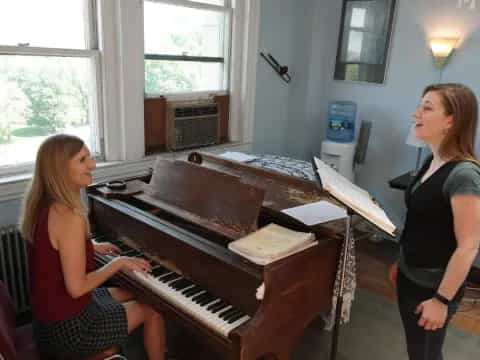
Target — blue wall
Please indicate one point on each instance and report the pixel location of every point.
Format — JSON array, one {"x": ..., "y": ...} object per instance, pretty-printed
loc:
[
  {"x": 297, "y": 114},
  {"x": 277, "y": 24}
]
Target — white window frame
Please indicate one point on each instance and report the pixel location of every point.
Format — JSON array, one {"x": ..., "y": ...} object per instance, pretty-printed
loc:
[
  {"x": 121, "y": 32},
  {"x": 91, "y": 53},
  {"x": 227, "y": 9},
  {"x": 121, "y": 89}
]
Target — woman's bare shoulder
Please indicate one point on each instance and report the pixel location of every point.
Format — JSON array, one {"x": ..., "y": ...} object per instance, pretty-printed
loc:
[{"x": 64, "y": 217}]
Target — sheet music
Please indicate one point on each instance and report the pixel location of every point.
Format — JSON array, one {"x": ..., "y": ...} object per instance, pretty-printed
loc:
[
  {"x": 316, "y": 213},
  {"x": 354, "y": 196},
  {"x": 238, "y": 156}
]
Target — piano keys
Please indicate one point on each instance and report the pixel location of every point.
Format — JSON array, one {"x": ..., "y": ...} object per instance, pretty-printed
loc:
[
  {"x": 201, "y": 304},
  {"x": 184, "y": 228}
]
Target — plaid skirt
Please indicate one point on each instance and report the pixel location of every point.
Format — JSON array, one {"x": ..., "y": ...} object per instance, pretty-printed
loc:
[{"x": 102, "y": 324}]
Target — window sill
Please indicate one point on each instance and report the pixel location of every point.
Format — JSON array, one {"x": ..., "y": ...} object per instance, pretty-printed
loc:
[{"x": 13, "y": 187}]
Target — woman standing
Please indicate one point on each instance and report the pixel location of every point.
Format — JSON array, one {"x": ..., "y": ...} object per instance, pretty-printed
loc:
[
  {"x": 71, "y": 315},
  {"x": 441, "y": 235}
]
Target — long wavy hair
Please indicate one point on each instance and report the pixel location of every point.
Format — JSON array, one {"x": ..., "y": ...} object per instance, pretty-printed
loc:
[
  {"x": 460, "y": 102},
  {"x": 50, "y": 182}
]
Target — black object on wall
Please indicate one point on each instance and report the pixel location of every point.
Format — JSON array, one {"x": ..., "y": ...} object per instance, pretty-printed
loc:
[{"x": 281, "y": 70}]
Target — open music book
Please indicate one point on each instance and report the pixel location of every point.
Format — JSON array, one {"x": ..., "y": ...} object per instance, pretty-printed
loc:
[
  {"x": 271, "y": 243},
  {"x": 352, "y": 196}
]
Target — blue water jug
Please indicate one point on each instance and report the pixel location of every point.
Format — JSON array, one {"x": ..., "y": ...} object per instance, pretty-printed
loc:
[{"x": 341, "y": 121}]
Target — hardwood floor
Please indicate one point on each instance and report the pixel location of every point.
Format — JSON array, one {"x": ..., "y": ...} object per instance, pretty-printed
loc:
[{"x": 373, "y": 261}]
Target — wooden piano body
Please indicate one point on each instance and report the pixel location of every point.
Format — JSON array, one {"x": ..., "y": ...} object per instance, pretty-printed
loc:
[{"x": 180, "y": 225}]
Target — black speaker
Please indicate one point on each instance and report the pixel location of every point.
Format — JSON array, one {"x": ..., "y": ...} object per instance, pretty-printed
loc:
[{"x": 363, "y": 137}]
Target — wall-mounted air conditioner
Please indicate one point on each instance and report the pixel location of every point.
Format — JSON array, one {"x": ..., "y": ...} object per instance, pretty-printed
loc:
[{"x": 192, "y": 124}]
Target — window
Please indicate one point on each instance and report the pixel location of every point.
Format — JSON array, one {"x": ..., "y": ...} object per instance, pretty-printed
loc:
[
  {"x": 364, "y": 37},
  {"x": 48, "y": 76},
  {"x": 187, "y": 45}
]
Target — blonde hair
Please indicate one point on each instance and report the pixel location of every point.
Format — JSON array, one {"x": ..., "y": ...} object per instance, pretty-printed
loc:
[
  {"x": 50, "y": 183},
  {"x": 460, "y": 102}
]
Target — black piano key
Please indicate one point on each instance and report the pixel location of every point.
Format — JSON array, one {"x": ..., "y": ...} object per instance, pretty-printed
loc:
[
  {"x": 194, "y": 292},
  {"x": 210, "y": 301},
  {"x": 219, "y": 307},
  {"x": 168, "y": 273},
  {"x": 206, "y": 300},
  {"x": 235, "y": 317},
  {"x": 168, "y": 278},
  {"x": 186, "y": 283},
  {"x": 158, "y": 271},
  {"x": 225, "y": 313},
  {"x": 200, "y": 296},
  {"x": 212, "y": 306},
  {"x": 175, "y": 284},
  {"x": 231, "y": 312}
]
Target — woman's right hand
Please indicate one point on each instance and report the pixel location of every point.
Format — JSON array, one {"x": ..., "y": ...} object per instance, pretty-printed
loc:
[
  {"x": 127, "y": 263},
  {"x": 392, "y": 274}
]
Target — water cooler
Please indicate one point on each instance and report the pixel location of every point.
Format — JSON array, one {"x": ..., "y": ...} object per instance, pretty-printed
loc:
[{"x": 339, "y": 149}]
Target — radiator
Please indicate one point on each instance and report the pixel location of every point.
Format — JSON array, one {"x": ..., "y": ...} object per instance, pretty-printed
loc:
[{"x": 13, "y": 266}]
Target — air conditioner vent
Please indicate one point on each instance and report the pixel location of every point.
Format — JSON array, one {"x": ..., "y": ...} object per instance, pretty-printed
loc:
[
  {"x": 189, "y": 111},
  {"x": 192, "y": 124}
]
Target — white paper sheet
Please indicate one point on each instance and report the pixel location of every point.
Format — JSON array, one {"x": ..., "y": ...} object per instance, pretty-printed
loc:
[
  {"x": 316, "y": 213},
  {"x": 238, "y": 156}
]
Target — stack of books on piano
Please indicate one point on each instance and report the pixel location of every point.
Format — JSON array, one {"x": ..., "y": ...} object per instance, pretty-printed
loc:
[{"x": 271, "y": 243}]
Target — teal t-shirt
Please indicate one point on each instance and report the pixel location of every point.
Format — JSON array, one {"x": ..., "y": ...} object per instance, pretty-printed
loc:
[{"x": 463, "y": 179}]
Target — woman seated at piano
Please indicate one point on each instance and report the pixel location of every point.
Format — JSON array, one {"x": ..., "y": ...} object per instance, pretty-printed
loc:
[{"x": 72, "y": 315}]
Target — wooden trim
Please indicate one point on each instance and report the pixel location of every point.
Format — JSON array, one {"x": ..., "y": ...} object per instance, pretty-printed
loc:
[
  {"x": 224, "y": 114},
  {"x": 155, "y": 115}
]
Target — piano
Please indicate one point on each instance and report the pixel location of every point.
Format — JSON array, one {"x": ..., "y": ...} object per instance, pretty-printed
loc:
[{"x": 182, "y": 217}]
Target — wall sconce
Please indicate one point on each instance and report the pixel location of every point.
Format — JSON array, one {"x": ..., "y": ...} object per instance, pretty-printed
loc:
[{"x": 442, "y": 48}]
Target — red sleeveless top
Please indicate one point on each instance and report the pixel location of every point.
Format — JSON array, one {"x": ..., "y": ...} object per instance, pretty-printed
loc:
[{"x": 49, "y": 296}]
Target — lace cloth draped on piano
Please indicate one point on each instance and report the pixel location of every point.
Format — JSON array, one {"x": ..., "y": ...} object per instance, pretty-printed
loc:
[{"x": 303, "y": 169}]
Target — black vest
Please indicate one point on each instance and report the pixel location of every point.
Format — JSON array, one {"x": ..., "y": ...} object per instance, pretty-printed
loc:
[{"x": 428, "y": 238}]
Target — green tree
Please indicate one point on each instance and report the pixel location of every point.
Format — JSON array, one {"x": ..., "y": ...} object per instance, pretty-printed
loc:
[
  {"x": 45, "y": 96},
  {"x": 161, "y": 77},
  {"x": 14, "y": 108}
]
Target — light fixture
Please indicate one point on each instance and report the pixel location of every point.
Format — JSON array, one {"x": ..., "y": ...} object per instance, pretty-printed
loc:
[{"x": 442, "y": 48}]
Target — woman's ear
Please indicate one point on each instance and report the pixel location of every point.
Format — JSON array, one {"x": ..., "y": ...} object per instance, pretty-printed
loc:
[{"x": 449, "y": 121}]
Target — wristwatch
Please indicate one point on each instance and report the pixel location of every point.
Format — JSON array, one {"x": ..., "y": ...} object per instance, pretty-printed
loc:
[{"x": 441, "y": 298}]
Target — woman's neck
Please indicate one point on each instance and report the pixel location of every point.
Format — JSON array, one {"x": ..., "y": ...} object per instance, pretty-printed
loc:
[{"x": 437, "y": 158}]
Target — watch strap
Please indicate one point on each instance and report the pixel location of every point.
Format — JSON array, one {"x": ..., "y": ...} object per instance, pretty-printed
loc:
[{"x": 441, "y": 298}]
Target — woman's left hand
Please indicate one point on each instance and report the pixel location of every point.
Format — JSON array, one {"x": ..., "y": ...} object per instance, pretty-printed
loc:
[
  {"x": 106, "y": 248},
  {"x": 432, "y": 314}
]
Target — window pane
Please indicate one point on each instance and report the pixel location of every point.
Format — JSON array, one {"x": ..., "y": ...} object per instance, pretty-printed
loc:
[
  {"x": 182, "y": 76},
  {"x": 358, "y": 17},
  {"x": 46, "y": 23},
  {"x": 212, "y": 2},
  {"x": 176, "y": 30},
  {"x": 40, "y": 96},
  {"x": 354, "y": 47}
]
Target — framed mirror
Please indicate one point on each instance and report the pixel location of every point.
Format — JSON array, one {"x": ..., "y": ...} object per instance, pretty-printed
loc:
[{"x": 364, "y": 39}]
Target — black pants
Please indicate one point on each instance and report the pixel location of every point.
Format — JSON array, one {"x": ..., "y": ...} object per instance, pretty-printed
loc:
[{"x": 421, "y": 344}]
